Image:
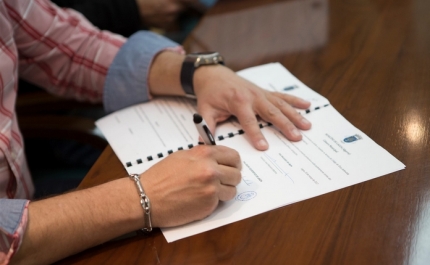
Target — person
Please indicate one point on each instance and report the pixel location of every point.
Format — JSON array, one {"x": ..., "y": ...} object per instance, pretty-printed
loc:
[
  {"x": 128, "y": 16},
  {"x": 61, "y": 51},
  {"x": 72, "y": 159}
]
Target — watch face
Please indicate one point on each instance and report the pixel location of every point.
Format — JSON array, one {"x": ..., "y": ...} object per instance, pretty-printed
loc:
[
  {"x": 204, "y": 58},
  {"x": 204, "y": 53}
]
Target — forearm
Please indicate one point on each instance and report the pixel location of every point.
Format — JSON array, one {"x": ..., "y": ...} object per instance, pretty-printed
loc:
[
  {"x": 63, "y": 225},
  {"x": 164, "y": 74}
]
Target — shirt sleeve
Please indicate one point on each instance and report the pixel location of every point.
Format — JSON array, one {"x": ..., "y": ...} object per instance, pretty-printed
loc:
[
  {"x": 127, "y": 79},
  {"x": 60, "y": 50},
  {"x": 64, "y": 53},
  {"x": 13, "y": 222}
]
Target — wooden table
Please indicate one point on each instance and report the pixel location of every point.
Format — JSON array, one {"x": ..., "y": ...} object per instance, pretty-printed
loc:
[{"x": 371, "y": 59}]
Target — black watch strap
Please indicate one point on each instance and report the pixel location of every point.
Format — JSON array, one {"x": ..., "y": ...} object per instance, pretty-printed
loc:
[{"x": 187, "y": 73}]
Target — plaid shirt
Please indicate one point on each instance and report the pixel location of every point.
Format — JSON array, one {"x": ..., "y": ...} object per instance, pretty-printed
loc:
[{"x": 58, "y": 49}]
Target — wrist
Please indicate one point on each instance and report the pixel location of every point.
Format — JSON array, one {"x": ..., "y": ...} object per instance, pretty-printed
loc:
[
  {"x": 164, "y": 72},
  {"x": 127, "y": 198},
  {"x": 194, "y": 62},
  {"x": 144, "y": 202},
  {"x": 204, "y": 76}
]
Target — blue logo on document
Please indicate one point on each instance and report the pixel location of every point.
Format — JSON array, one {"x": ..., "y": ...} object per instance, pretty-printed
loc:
[
  {"x": 353, "y": 138},
  {"x": 246, "y": 196}
]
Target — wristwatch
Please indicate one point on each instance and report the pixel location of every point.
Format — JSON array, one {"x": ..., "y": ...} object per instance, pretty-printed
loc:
[{"x": 191, "y": 62}]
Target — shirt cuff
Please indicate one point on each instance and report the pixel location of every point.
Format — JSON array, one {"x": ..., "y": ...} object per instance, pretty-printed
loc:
[
  {"x": 13, "y": 223},
  {"x": 126, "y": 82}
]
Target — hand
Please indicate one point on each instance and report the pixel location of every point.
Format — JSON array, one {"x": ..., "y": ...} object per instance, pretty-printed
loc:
[
  {"x": 188, "y": 185},
  {"x": 222, "y": 93},
  {"x": 160, "y": 13}
]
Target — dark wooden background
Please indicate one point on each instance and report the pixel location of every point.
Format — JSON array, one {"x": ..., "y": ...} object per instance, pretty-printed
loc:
[{"x": 371, "y": 59}]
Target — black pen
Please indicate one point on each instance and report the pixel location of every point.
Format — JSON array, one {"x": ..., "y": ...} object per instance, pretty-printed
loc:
[{"x": 203, "y": 129}]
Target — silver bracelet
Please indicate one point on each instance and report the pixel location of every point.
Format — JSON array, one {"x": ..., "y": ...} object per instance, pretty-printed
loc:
[{"x": 144, "y": 201}]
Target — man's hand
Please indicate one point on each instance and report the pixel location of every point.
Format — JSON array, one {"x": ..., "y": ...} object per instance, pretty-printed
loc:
[
  {"x": 188, "y": 185},
  {"x": 222, "y": 93}
]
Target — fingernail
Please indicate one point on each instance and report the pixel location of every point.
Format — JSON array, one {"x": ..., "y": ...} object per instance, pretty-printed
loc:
[
  {"x": 262, "y": 144},
  {"x": 305, "y": 122},
  {"x": 295, "y": 132}
]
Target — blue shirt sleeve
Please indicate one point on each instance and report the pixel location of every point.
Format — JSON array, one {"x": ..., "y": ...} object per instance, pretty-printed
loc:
[
  {"x": 11, "y": 211},
  {"x": 127, "y": 79}
]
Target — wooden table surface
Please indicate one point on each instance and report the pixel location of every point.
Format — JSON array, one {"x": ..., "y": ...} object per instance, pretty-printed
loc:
[{"x": 371, "y": 59}]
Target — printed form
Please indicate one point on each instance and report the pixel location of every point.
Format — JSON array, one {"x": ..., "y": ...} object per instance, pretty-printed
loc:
[{"x": 332, "y": 155}]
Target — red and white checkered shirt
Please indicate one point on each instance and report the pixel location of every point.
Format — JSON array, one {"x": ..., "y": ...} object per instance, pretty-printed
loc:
[{"x": 54, "y": 48}]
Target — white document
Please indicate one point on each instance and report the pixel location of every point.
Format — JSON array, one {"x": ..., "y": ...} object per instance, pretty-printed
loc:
[{"x": 332, "y": 155}]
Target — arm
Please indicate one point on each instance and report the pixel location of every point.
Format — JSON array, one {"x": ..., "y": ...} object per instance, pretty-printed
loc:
[
  {"x": 63, "y": 225},
  {"x": 60, "y": 50}
]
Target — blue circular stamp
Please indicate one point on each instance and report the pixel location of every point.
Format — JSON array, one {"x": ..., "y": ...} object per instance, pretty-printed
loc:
[{"x": 246, "y": 196}]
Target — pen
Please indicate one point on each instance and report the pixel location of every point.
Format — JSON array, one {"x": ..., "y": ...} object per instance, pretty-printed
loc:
[{"x": 203, "y": 129}]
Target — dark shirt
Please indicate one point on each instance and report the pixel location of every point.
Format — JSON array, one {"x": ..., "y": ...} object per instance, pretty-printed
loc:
[{"x": 119, "y": 16}]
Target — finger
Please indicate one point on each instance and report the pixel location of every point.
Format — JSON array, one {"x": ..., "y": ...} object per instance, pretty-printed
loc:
[
  {"x": 226, "y": 193},
  {"x": 274, "y": 115},
  {"x": 229, "y": 176},
  {"x": 250, "y": 125},
  {"x": 227, "y": 157},
  {"x": 289, "y": 112},
  {"x": 294, "y": 101}
]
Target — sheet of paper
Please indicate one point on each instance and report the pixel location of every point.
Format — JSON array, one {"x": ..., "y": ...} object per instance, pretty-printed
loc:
[
  {"x": 332, "y": 155},
  {"x": 165, "y": 124}
]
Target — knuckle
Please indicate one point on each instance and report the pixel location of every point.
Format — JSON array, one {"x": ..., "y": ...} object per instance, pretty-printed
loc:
[
  {"x": 210, "y": 191},
  {"x": 247, "y": 121},
  {"x": 281, "y": 102},
  {"x": 272, "y": 111},
  {"x": 208, "y": 174},
  {"x": 239, "y": 98},
  {"x": 295, "y": 116},
  {"x": 203, "y": 150},
  {"x": 230, "y": 152}
]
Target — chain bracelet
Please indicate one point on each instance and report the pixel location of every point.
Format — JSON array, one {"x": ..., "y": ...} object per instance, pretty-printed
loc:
[{"x": 144, "y": 201}]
